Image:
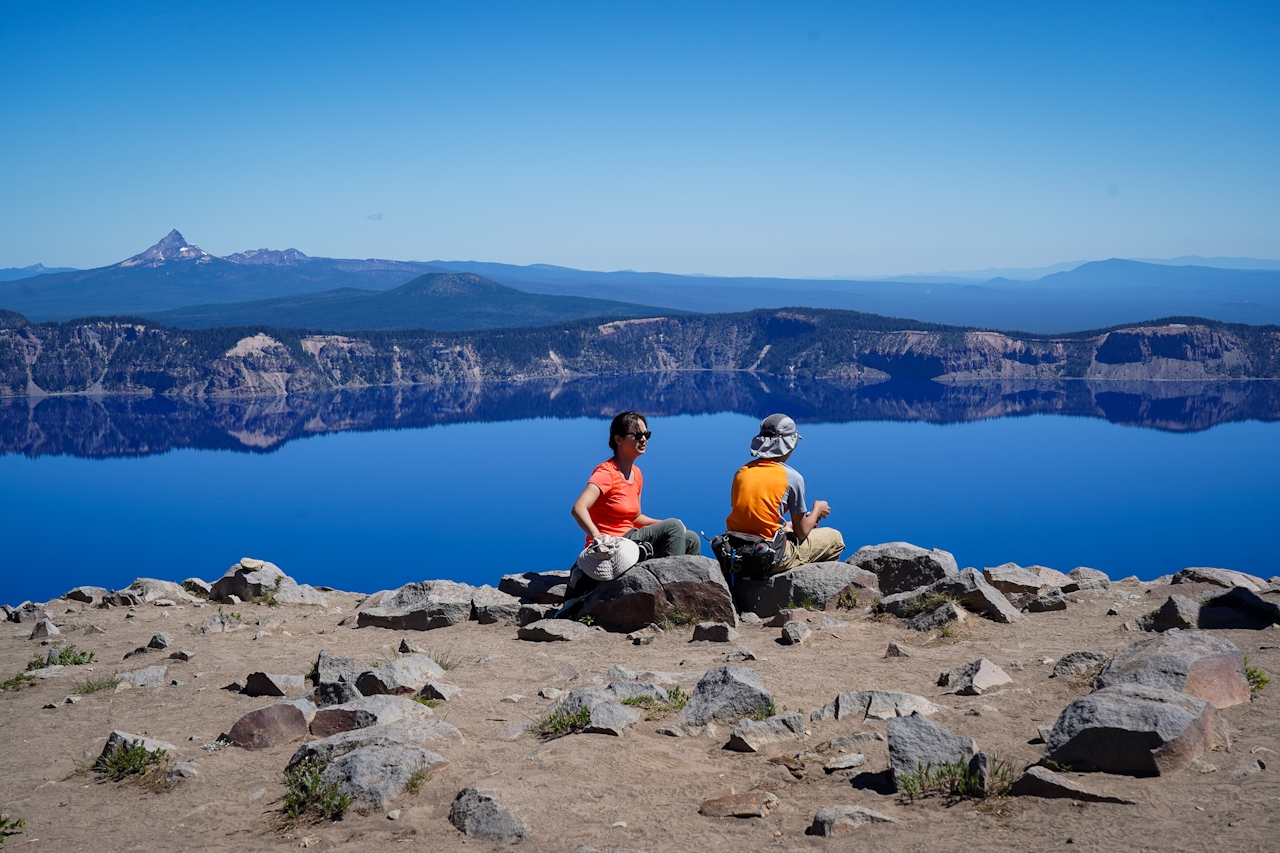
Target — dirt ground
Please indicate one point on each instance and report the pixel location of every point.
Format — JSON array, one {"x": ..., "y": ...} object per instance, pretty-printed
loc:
[{"x": 640, "y": 791}]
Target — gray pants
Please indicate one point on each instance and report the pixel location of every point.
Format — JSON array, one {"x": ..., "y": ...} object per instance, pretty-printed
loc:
[{"x": 668, "y": 537}]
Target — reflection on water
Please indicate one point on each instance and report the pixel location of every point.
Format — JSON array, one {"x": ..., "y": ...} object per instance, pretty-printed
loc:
[{"x": 139, "y": 426}]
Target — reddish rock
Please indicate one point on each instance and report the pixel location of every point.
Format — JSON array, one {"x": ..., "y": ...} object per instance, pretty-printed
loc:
[
  {"x": 753, "y": 804},
  {"x": 1193, "y": 662},
  {"x": 268, "y": 727}
]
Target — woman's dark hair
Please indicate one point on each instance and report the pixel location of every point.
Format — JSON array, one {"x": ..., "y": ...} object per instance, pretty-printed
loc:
[{"x": 623, "y": 423}]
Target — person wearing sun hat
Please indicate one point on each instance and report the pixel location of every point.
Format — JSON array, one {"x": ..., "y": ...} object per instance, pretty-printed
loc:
[{"x": 767, "y": 489}]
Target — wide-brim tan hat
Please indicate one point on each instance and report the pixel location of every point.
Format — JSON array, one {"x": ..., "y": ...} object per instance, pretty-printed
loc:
[{"x": 609, "y": 558}]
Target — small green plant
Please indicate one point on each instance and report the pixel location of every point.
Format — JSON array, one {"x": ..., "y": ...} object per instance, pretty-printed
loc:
[
  {"x": 587, "y": 620},
  {"x": 416, "y": 780},
  {"x": 10, "y": 826},
  {"x": 945, "y": 632},
  {"x": 96, "y": 684},
  {"x": 446, "y": 658},
  {"x": 430, "y": 703},
  {"x": 1257, "y": 678},
  {"x": 926, "y": 603},
  {"x": 954, "y": 779},
  {"x": 655, "y": 708},
  {"x": 761, "y": 714},
  {"x": 557, "y": 723},
  {"x": 18, "y": 682},
  {"x": 132, "y": 759},
  {"x": 65, "y": 657},
  {"x": 679, "y": 616},
  {"x": 848, "y": 599},
  {"x": 231, "y": 615},
  {"x": 808, "y": 603},
  {"x": 307, "y": 795}
]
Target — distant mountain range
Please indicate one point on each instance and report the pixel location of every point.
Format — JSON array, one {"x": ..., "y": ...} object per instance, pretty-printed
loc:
[
  {"x": 444, "y": 301},
  {"x": 177, "y": 282},
  {"x": 15, "y": 273}
]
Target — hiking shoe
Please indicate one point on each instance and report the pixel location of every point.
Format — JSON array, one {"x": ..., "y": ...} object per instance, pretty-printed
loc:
[{"x": 646, "y": 551}]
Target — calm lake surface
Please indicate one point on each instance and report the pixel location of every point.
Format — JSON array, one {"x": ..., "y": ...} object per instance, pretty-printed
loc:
[{"x": 370, "y": 490}]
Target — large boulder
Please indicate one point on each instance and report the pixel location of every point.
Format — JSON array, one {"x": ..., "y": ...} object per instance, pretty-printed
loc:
[
  {"x": 420, "y": 607},
  {"x": 403, "y": 676},
  {"x": 489, "y": 605},
  {"x": 87, "y": 594},
  {"x": 145, "y": 591},
  {"x": 1043, "y": 782},
  {"x": 478, "y": 814},
  {"x": 1135, "y": 730},
  {"x": 1192, "y": 662},
  {"x": 1225, "y": 578},
  {"x": 838, "y": 821},
  {"x": 754, "y": 735},
  {"x": 119, "y": 740},
  {"x": 373, "y": 776},
  {"x": 257, "y": 580},
  {"x": 1237, "y": 608},
  {"x": 815, "y": 586},
  {"x": 1012, "y": 579},
  {"x": 366, "y": 712},
  {"x": 901, "y": 566},
  {"x": 692, "y": 587},
  {"x": 271, "y": 684},
  {"x": 974, "y": 679},
  {"x": 269, "y": 726},
  {"x": 417, "y": 732},
  {"x": 916, "y": 741},
  {"x": 873, "y": 705},
  {"x": 725, "y": 694},
  {"x": 536, "y": 587},
  {"x": 1083, "y": 578},
  {"x": 608, "y": 716},
  {"x": 968, "y": 587},
  {"x": 330, "y": 670}
]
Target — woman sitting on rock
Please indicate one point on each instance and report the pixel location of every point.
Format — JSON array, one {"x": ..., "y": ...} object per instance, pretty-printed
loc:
[{"x": 609, "y": 507}]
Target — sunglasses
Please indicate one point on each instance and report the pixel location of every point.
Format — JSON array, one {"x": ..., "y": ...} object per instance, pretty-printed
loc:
[{"x": 640, "y": 436}]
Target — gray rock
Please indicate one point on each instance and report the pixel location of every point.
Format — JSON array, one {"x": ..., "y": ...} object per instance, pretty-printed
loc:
[
  {"x": 197, "y": 587},
  {"x": 1249, "y": 768},
  {"x": 44, "y": 628},
  {"x": 795, "y": 634},
  {"x": 1083, "y": 577},
  {"x": 221, "y": 625},
  {"x": 828, "y": 623},
  {"x": 149, "y": 676},
  {"x": 816, "y": 584},
  {"x": 552, "y": 630},
  {"x": 789, "y": 614},
  {"x": 748, "y": 618},
  {"x": 622, "y": 690},
  {"x": 159, "y": 641},
  {"x": 375, "y": 775},
  {"x": 974, "y": 679},
  {"x": 1192, "y": 662},
  {"x": 476, "y": 813},
  {"x": 854, "y": 741},
  {"x": 873, "y": 705},
  {"x": 118, "y": 740},
  {"x": 901, "y": 566},
  {"x": 612, "y": 718},
  {"x": 268, "y": 727},
  {"x": 1043, "y": 782},
  {"x": 255, "y": 580},
  {"x": 147, "y": 590},
  {"x": 968, "y": 587},
  {"x": 715, "y": 632},
  {"x": 307, "y": 707},
  {"x": 754, "y": 735},
  {"x": 28, "y": 612},
  {"x": 182, "y": 770},
  {"x": 837, "y": 821},
  {"x": 1074, "y": 664},
  {"x": 529, "y": 613},
  {"x": 420, "y": 607},
  {"x": 1178, "y": 611},
  {"x": 1050, "y": 601},
  {"x": 740, "y": 653},
  {"x": 896, "y": 651},
  {"x": 1013, "y": 579},
  {"x": 366, "y": 712},
  {"x": 413, "y": 731},
  {"x": 1134, "y": 730},
  {"x": 845, "y": 762},
  {"x": 654, "y": 589},
  {"x": 404, "y": 675},
  {"x": 270, "y": 684},
  {"x": 724, "y": 694},
  {"x": 439, "y": 691},
  {"x": 334, "y": 693},
  {"x": 933, "y": 619},
  {"x": 1220, "y": 577},
  {"x": 490, "y": 606},
  {"x": 1237, "y": 608},
  {"x": 536, "y": 587},
  {"x": 329, "y": 669},
  {"x": 915, "y": 741},
  {"x": 87, "y": 594}
]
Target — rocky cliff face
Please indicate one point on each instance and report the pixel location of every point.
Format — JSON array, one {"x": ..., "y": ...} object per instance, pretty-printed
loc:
[{"x": 118, "y": 356}]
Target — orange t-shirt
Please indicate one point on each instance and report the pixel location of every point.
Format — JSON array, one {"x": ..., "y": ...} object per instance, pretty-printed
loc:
[{"x": 619, "y": 501}]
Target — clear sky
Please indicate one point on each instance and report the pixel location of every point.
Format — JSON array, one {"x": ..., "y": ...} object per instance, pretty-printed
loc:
[{"x": 796, "y": 139}]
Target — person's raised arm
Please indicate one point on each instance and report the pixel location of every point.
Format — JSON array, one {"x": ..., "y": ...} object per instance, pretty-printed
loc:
[
  {"x": 805, "y": 524},
  {"x": 582, "y": 509}
]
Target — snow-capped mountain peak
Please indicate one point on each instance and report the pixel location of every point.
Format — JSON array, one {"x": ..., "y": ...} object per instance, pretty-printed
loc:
[{"x": 172, "y": 248}]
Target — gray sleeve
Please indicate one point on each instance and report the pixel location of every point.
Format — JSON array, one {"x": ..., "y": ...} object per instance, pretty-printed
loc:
[{"x": 794, "y": 500}]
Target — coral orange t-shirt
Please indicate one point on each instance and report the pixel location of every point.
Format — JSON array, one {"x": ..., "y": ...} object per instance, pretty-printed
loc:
[{"x": 619, "y": 501}]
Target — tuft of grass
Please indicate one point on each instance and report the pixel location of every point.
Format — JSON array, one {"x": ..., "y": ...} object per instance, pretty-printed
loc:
[
  {"x": 96, "y": 684},
  {"x": 558, "y": 724},
  {"x": 430, "y": 703},
  {"x": 954, "y": 779},
  {"x": 10, "y": 826},
  {"x": 677, "y": 615},
  {"x": 656, "y": 709},
  {"x": 1257, "y": 678},
  {"x": 307, "y": 797},
  {"x": 446, "y": 658},
  {"x": 762, "y": 714},
  {"x": 808, "y": 603},
  {"x": 67, "y": 656},
  {"x": 927, "y": 602},
  {"x": 848, "y": 598},
  {"x": 133, "y": 759},
  {"x": 18, "y": 682},
  {"x": 587, "y": 620},
  {"x": 417, "y": 779}
]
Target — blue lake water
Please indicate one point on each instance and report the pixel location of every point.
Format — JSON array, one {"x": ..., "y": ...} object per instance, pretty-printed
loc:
[{"x": 369, "y": 492}]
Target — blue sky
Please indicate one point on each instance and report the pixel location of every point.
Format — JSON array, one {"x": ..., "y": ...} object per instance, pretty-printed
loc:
[{"x": 737, "y": 138}]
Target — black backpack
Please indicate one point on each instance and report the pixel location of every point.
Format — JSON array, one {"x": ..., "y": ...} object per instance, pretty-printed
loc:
[{"x": 744, "y": 555}]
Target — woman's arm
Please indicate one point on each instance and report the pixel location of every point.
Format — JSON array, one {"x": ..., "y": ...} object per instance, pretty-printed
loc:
[
  {"x": 581, "y": 511},
  {"x": 643, "y": 520}
]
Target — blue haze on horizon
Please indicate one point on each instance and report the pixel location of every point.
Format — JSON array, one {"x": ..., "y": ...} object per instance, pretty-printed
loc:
[{"x": 730, "y": 139}]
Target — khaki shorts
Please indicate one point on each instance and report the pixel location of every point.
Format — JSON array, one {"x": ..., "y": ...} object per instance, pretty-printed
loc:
[{"x": 823, "y": 544}]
